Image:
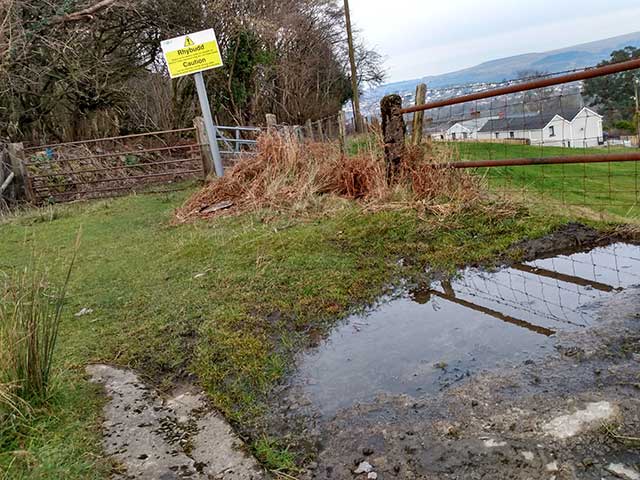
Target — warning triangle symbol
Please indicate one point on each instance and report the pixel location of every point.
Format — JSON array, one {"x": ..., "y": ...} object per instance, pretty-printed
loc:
[{"x": 188, "y": 42}]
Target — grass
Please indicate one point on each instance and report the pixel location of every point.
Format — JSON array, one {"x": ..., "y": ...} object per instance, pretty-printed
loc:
[
  {"x": 230, "y": 300},
  {"x": 274, "y": 456},
  {"x": 30, "y": 314},
  {"x": 608, "y": 187}
]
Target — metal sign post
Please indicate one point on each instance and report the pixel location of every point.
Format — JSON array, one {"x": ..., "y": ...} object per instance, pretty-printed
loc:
[
  {"x": 212, "y": 131},
  {"x": 191, "y": 55}
]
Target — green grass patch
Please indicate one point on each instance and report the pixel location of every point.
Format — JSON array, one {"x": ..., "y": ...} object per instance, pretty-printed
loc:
[
  {"x": 609, "y": 187},
  {"x": 274, "y": 456},
  {"x": 230, "y": 301}
]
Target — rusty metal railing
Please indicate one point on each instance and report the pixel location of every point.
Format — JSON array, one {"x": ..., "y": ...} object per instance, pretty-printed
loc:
[
  {"x": 121, "y": 164},
  {"x": 531, "y": 85},
  {"x": 568, "y": 160},
  {"x": 596, "y": 172},
  {"x": 112, "y": 166},
  {"x": 110, "y": 139}
]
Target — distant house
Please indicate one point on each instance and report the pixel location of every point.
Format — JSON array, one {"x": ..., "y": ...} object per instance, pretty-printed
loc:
[
  {"x": 438, "y": 131},
  {"x": 580, "y": 128},
  {"x": 467, "y": 129},
  {"x": 586, "y": 128}
]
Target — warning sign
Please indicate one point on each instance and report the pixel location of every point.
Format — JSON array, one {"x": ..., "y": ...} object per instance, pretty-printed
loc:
[{"x": 192, "y": 53}]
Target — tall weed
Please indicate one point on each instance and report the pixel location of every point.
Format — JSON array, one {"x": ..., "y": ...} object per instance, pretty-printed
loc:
[{"x": 30, "y": 314}]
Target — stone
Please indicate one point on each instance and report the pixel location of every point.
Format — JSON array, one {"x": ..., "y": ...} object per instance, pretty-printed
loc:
[
  {"x": 624, "y": 472},
  {"x": 364, "y": 467},
  {"x": 552, "y": 467},
  {"x": 528, "y": 456},
  {"x": 148, "y": 436},
  {"x": 567, "y": 426},
  {"x": 491, "y": 443},
  {"x": 372, "y": 476}
]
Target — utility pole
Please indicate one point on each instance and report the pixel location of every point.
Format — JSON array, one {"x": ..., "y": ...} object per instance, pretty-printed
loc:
[{"x": 354, "y": 73}]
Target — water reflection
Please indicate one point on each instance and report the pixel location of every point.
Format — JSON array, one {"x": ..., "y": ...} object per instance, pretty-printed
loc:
[{"x": 436, "y": 336}]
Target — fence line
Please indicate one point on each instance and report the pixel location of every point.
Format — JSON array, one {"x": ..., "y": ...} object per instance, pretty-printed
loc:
[
  {"x": 531, "y": 85},
  {"x": 515, "y": 138}
]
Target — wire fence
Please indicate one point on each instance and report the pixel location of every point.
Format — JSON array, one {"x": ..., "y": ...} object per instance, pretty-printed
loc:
[
  {"x": 547, "y": 295},
  {"x": 538, "y": 140},
  {"x": 327, "y": 129}
]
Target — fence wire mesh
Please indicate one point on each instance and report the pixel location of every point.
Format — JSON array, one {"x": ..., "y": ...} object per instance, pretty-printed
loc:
[
  {"x": 554, "y": 121},
  {"x": 550, "y": 294}
]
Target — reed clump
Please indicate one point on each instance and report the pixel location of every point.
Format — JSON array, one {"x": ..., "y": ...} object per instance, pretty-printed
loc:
[{"x": 30, "y": 315}]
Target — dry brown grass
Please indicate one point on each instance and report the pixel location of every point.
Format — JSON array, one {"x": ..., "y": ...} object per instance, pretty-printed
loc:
[{"x": 291, "y": 176}]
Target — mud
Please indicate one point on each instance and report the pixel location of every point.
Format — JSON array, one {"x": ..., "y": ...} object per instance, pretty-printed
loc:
[
  {"x": 570, "y": 238},
  {"x": 555, "y": 395}
]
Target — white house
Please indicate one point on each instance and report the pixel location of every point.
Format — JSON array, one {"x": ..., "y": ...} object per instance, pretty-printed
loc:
[
  {"x": 586, "y": 128},
  {"x": 467, "y": 129},
  {"x": 578, "y": 128}
]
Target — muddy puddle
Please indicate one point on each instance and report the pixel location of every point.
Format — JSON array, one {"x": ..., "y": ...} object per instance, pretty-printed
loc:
[{"x": 432, "y": 338}]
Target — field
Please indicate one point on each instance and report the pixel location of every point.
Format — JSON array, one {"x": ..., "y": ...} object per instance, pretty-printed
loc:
[
  {"x": 229, "y": 301},
  {"x": 609, "y": 187}
]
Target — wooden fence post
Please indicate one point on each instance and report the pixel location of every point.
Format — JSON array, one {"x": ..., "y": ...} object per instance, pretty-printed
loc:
[
  {"x": 330, "y": 129},
  {"x": 308, "y": 127},
  {"x": 272, "y": 122},
  {"x": 287, "y": 133},
  {"x": 22, "y": 180},
  {"x": 342, "y": 126},
  {"x": 320, "y": 130},
  {"x": 418, "y": 117},
  {"x": 205, "y": 151},
  {"x": 393, "y": 131}
]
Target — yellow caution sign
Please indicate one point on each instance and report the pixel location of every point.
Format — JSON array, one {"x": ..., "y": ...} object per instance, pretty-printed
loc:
[{"x": 192, "y": 53}]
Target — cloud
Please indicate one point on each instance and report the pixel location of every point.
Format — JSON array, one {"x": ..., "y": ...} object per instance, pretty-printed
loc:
[{"x": 427, "y": 38}]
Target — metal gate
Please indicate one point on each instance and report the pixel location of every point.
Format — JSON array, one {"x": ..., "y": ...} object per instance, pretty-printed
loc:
[{"x": 147, "y": 163}]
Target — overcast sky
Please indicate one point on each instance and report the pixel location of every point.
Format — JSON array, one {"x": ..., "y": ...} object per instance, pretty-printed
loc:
[{"x": 430, "y": 37}]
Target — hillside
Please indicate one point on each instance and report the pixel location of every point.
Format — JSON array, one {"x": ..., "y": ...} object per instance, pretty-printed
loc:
[{"x": 569, "y": 58}]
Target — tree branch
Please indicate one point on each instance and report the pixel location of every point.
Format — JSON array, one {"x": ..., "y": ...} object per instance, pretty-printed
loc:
[{"x": 84, "y": 14}]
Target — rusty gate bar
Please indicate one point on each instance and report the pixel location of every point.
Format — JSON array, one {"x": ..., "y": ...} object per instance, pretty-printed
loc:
[
  {"x": 110, "y": 139},
  {"x": 116, "y": 154},
  {"x": 526, "y": 86},
  {"x": 99, "y": 191},
  {"x": 516, "y": 162},
  {"x": 117, "y": 179},
  {"x": 119, "y": 167}
]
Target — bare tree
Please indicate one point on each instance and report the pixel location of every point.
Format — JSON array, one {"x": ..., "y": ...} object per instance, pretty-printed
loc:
[{"x": 71, "y": 69}]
